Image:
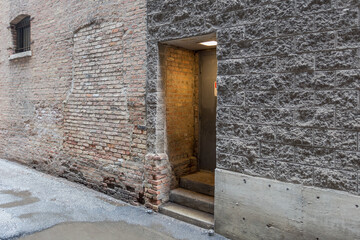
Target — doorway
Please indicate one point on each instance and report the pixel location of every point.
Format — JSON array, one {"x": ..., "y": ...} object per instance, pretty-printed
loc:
[{"x": 189, "y": 72}]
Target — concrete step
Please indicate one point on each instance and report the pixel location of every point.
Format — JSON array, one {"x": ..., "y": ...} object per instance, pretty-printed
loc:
[
  {"x": 193, "y": 200},
  {"x": 201, "y": 182},
  {"x": 192, "y": 216}
]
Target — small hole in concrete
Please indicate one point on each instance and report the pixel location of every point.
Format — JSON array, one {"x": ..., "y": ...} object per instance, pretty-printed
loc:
[
  {"x": 244, "y": 181},
  {"x": 244, "y": 219},
  {"x": 269, "y": 185},
  {"x": 317, "y": 238},
  {"x": 318, "y": 197},
  {"x": 287, "y": 189},
  {"x": 356, "y": 206}
]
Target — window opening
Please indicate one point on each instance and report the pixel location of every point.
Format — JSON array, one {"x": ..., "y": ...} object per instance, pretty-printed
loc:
[{"x": 23, "y": 35}]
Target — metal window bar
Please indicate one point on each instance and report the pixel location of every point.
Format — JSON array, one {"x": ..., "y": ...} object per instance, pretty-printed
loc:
[{"x": 23, "y": 35}]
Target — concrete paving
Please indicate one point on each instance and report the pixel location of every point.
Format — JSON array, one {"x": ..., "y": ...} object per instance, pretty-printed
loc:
[{"x": 34, "y": 205}]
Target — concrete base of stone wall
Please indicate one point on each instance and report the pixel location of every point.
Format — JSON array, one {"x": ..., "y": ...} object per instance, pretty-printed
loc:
[{"x": 256, "y": 208}]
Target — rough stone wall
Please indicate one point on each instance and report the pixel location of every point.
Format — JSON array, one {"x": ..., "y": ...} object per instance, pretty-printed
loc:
[
  {"x": 181, "y": 96},
  {"x": 76, "y": 107},
  {"x": 288, "y": 79}
]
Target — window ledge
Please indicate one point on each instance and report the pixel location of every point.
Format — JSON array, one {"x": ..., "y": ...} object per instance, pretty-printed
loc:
[{"x": 20, "y": 55}]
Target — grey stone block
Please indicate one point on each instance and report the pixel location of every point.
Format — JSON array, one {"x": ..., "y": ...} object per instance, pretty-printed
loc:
[
  {"x": 269, "y": 82},
  {"x": 224, "y": 52},
  {"x": 301, "y": 80},
  {"x": 296, "y": 63},
  {"x": 349, "y": 161},
  {"x": 205, "y": 6},
  {"x": 320, "y": 157},
  {"x": 348, "y": 38},
  {"x": 324, "y": 80},
  {"x": 295, "y": 136},
  {"x": 232, "y": 67},
  {"x": 153, "y": 6},
  {"x": 246, "y": 48},
  {"x": 261, "y": 99},
  {"x": 348, "y": 119},
  {"x": 348, "y": 79},
  {"x": 295, "y": 25},
  {"x": 260, "y": 64},
  {"x": 279, "y": 46},
  {"x": 276, "y": 116},
  {"x": 254, "y": 132},
  {"x": 315, "y": 42},
  {"x": 232, "y": 163},
  {"x": 347, "y": 3},
  {"x": 337, "y": 60},
  {"x": 345, "y": 99},
  {"x": 321, "y": 117},
  {"x": 241, "y": 82},
  {"x": 244, "y": 16},
  {"x": 296, "y": 99},
  {"x": 294, "y": 173},
  {"x": 278, "y": 152},
  {"x": 312, "y": 6},
  {"x": 229, "y": 35},
  {"x": 260, "y": 30},
  {"x": 222, "y": 114},
  {"x": 334, "y": 179},
  {"x": 160, "y": 18},
  {"x": 222, "y": 145},
  {"x": 337, "y": 139},
  {"x": 231, "y": 130},
  {"x": 245, "y": 114},
  {"x": 276, "y": 10},
  {"x": 335, "y": 19},
  {"x": 232, "y": 5},
  {"x": 193, "y": 25},
  {"x": 244, "y": 148}
]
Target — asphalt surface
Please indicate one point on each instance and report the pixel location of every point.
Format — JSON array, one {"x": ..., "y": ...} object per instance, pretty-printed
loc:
[{"x": 38, "y": 206}]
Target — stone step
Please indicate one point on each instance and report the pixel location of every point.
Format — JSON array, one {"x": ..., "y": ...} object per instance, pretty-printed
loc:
[
  {"x": 192, "y": 216},
  {"x": 193, "y": 200},
  {"x": 201, "y": 182}
]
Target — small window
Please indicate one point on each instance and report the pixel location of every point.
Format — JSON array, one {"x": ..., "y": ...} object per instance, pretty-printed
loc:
[{"x": 22, "y": 31}]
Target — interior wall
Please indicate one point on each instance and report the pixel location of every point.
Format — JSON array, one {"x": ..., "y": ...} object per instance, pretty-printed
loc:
[{"x": 181, "y": 77}]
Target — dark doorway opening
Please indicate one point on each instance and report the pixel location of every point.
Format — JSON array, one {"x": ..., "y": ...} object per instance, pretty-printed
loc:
[{"x": 189, "y": 72}]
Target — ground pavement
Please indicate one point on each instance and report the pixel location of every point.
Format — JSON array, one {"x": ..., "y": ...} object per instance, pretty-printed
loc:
[{"x": 37, "y": 206}]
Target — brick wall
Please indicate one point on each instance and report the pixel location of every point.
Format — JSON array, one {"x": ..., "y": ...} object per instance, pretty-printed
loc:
[
  {"x": 76, "y": 108},
  {"x": 180, "y": 78},
  {"x": 288, "y": 79}
]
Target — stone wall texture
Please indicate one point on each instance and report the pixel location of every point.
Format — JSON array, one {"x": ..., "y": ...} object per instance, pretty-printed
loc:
[
  {"x": 288, "y": 85},
  {"x": 76, "y": 107},
  {"x": 90, "y": 103}
]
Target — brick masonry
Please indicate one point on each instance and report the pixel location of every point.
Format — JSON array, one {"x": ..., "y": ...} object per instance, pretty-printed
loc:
[
  {"x": 288, "y": 79},
  {"x": 181, "y": 77},
  {"x": 76, "y": 107}
]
